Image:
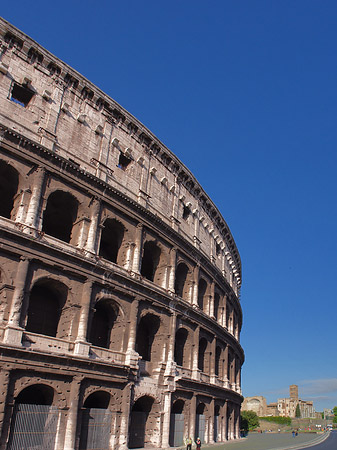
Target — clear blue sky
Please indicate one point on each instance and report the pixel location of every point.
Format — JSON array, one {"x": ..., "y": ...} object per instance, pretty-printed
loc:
[{"x": 244, "y": 93}]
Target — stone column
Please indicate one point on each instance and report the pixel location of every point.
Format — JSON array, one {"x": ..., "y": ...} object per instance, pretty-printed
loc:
[
  {"x": 195, "y": 286},
  {"x": 212, "y": 359},
  {"x": 166, "y": 422},
  {"x": 224, "y": 430},
  {"x": 131, "y": 355},
  {"x": 13, "y": 332},
  {"x": 71, "y": 424},
  {"x": 93, "y": 227},
  {"x": 4, "y": 424},
  {"x": 211, "y": 423},
  {"x": 225, "y": 367},
  {"x": 193, "y": 411},
  {"x": 138, "y": 248},
  {"x": 172, "y": 274},
  {"x": 224, "y": 311},
  {"x": 211, "y": 299},
  {"x": 33, "y": 217},
  {"x": 195, "y": 354},
  {"x": 237, "y": 422},
  {"x": 81, "y": 344},
  {"x": 124, "y": 420},
  {"x": 170, "y": 364}
]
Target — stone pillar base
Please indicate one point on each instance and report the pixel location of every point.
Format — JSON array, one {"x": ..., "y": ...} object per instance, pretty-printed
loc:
[
  {"x": 82, "y": 348},
  {"x": 13, "y": 336}
]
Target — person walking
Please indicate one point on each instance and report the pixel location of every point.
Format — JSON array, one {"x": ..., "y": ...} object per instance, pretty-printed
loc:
[
  {"x": 189, "y": 443},
  {"x": 198, "y": 442}
]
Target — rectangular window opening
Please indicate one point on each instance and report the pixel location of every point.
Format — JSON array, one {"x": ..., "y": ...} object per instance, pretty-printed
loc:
[{"x": 21, "y": 95}]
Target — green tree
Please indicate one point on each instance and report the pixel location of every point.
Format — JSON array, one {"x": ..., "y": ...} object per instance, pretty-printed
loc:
[
  {"x": 335, "y": 414},
  {"x": 298, "y": 411},
  {"x": 249, "y": 420}
]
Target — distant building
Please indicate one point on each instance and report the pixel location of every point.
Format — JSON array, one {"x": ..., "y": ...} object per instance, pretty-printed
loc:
[
  {"x": 287, "y": 406},
  {"x": 284, "y": 407}
]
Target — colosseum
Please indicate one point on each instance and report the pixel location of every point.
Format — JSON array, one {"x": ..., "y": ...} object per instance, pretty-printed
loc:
[{"x": 119, "y": 309}]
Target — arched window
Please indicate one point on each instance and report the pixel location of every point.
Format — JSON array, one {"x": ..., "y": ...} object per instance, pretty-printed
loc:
[
  {"x": 201, "y": 354},
  {"x": 60, "y": 215},
  {"x": 147, "y": 328},
  {"x": 180, "y": 281},
  {"x": 46, "y": 301},
  {"x": 111, "y": 239},
  {"x": 180, "y": 341},
  {"x": 103, "y": 320},
  {"x": 9, "y": 181},
  {"x": 202, "y": 286},
  {"x": 150, "y": 260}
]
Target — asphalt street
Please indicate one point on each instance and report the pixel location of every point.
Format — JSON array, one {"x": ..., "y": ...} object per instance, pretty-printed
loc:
[{"x": 328, "y": 444}]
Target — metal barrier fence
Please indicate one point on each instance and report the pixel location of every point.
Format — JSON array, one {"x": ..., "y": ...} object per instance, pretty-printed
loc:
[
  {"x": 33, "y": 427},
  {"x": 95, "y": 429}
]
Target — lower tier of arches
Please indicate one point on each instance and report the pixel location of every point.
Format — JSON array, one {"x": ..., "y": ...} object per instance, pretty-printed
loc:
[{"x": 46, "y": 411}]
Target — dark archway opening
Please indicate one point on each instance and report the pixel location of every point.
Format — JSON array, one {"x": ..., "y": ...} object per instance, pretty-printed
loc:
[
  {"x": 147, "y": 328},
  {"x": 9, "y": 181},
  {"x": 217, "y": 360},
  {"x": 103, "y": 320},
  {"x": 45, "y": 305},
  {"x": 36, "y": 394},
  {"x": 180, "y": 341},
  {"x": 177, "y": 424},
  {"x": 138, "y": 422},
  {"x": 96, "y": 422},
  {"x": 150, "y": 260},
  {"x": 217, "y": 423},
  {"x": 180, "y": 281},
  {"x": 200, "y": 422},
  {"x": 111, "y": 240},
  {"x": 60, "y": 215},
  {"x": 34, "y": 420},
  {"x": 201, "y": 354},
  {"x": 202, "y": 286}
]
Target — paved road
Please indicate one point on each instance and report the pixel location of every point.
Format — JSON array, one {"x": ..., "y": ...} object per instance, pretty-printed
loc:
[
  {"x": 272, "y": 441},
  {"x": 328, "y": 444}
]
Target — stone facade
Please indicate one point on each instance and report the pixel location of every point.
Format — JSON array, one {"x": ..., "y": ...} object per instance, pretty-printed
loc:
[{"x": 119, "y": 285}]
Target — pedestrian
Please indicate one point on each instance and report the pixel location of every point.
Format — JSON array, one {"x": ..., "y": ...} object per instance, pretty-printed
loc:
[
  {"x": 188, "y": 443},
  {"x": 198, "y": 442},
  {"x": 293, "y": 433}
]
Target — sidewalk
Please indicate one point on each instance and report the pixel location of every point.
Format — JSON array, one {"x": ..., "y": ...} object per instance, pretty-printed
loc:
[{"x": 270, "y": 441}]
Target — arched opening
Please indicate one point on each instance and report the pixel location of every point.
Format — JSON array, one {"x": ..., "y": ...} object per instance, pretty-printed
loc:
[
  {"x": 217, "y": 360},
  {"x": 96, "y": 421},
  {"x": 139, "y": 435},
  {"x": 217, "y": 424},
  {"x": 180, "y": 281},
  {"x": 177, "y": 424},
  {"x": 9, "y": 182},
  {"x": 146, "y": 331},
  {"x": 34, "y": 420},
  {"x": 201, "y": 354},
  {"x": 216, "y": 305},
  {"x": 179, "y": 346},
  {"x": 60, "y": 215},
  {"x": 111, "y": 240},
  {"x": 200, "y": 422},
  {"x": 103, "y": 320},
  {"x": 150, "y": 260},
  {"x": 46, "y": 301},
  {"x": 36, "y": 394},
  {"x": 202, "y": 286}
]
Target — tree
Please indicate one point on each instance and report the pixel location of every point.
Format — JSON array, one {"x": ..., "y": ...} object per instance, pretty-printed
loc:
[
  {"x": 249, "y": 420},
  {"x": 298, "y": 411},
  {"x": 335, "y": 414}
]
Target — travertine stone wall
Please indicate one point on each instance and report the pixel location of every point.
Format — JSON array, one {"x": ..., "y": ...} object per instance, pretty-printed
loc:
[{"x": 119, "y": 278}]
